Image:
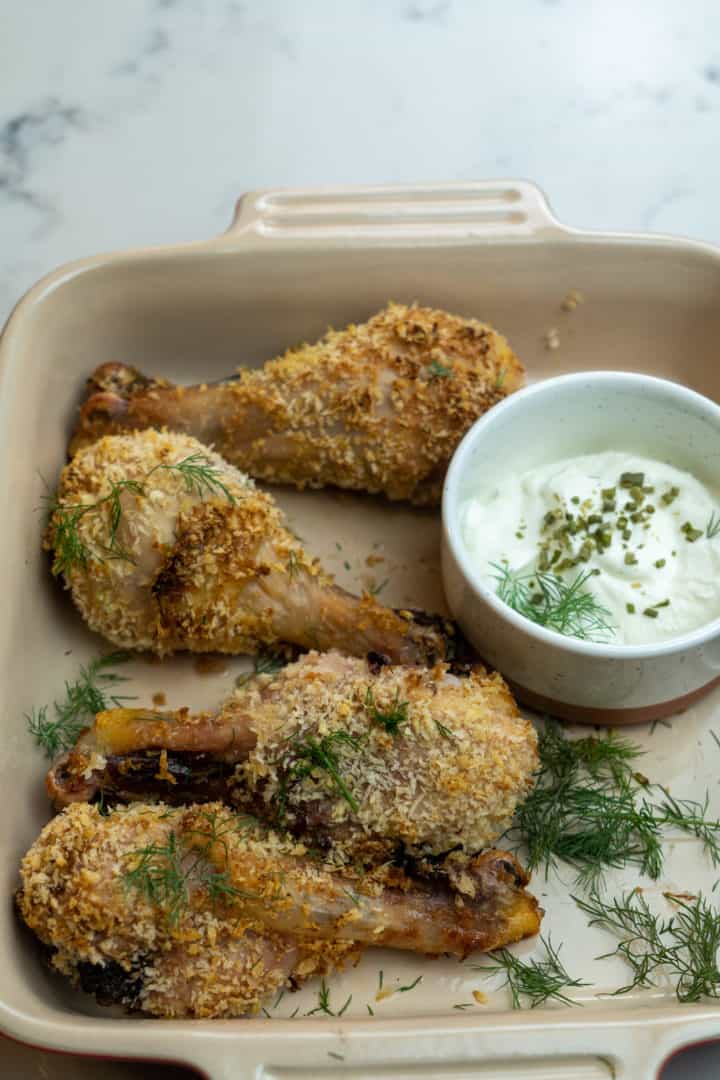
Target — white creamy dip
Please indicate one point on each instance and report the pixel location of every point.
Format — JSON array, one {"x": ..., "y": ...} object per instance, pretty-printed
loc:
[{"x": 641, "y": 536}]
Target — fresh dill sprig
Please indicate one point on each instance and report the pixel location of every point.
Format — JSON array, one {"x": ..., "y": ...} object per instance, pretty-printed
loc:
[
  {"x": 690, "y": 816},
  {"x": 199, "y": 476},
  {"x": 311, "y": 753},
  {"x": 583, "y": 808},
  {"x": 267, "y": 663},
  {"x": 391, "y": 717},
  {"x": 591, "y": 808},
  {"x": 57, "y": 727},
  {"x": 546, "y": 599},
  {"x": 323, "y": 1004},
  {"x": 157, "y": 873},
  {"x": 410, "y": 986},
  {"x": 683, "y": 946},
  {"x": 712, "y": 529},
  {"x": 70, "y": 551},
  {"x": 436, "y": 370},
  {"x": 537, "y": 980},
  {"x": 375, "y": 590},
  {"x": 162, "y": 873}
]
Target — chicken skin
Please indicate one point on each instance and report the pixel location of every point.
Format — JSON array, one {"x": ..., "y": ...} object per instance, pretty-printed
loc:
[
  {"x": 363, "y": 760},
  {"x": 201, "y": 912},
  {"x": 165, "y": 547},
  {"x": 377, "y": 407}
]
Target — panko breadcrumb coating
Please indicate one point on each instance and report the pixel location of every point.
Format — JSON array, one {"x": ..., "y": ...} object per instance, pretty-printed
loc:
[
  {"x": 431, "y": 761},
  {"x": 163, "y": 561},
  {"x": 377, "y": 407},
  {"x": 362, "y": 760},
  {"x": 200, "y": 912}
]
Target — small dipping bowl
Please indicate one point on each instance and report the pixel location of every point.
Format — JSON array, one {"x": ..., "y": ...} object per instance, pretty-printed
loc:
[{"x": 564, "y": 417}]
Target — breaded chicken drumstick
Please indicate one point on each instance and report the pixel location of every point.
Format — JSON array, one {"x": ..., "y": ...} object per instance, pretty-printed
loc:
[
  {"x": 165, "y": 546},
  {"x": 377, "y": 407},
  {"x": 200, "y": 912},
  {"x": 366, "y": 762}
]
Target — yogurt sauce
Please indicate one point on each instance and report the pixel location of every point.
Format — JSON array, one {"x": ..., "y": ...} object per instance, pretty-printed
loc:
[{"x": 641, "y": 534}]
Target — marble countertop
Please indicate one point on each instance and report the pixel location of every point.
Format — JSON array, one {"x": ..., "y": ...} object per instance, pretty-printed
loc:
[{"x": 139, "y": 123}]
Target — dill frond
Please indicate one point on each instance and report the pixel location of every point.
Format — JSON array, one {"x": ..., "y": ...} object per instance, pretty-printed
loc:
[
  {"x": 199, "y": 476},
  {"x": 546, "y": 599},
  {"x": 311, "y": 754},
  {"x": 391, "y": 718},
  {"x": 537, "y": 980},
  {"x": 683, "y": 946},
  {"x": 57, "y": 727},
  {"x": 266, "y": 663},
  {"x": 436, "y": 370},
  {"x": 591, "y": 808},
  {"x": 163, "y": 872},
  {"x": 712, "y": 529}
]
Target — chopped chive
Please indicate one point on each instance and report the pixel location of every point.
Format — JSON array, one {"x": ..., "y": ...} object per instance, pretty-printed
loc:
[
  {"x": 659, "y": 563},
  {"x": 630, "y": 558},
  {"x": 630, "y": 608}
]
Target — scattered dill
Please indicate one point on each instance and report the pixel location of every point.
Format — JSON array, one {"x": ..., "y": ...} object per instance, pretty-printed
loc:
[
  {"x": 392, "y": 717},
  {"x": 583, "y": 808},
  {"x": 712, "y": 529},
  {"x": 370, "y": 1011},
  {"x": 162, "y": 873},
  {"x": 691, "y": 817},
  {"x": 157, "y": 873},
  {"x": 57, "y": 727},
  {"x": 683, "y": 946},
  {"x": 199, "y": 475},
  {"x": 311, "y": 753},
  {"x": 537, "y": 980},
  {"x": 593, "y": 809},
  {"x": 715, "y": 738},
  {"x": 410, "y": 986},
  {"x": 293, "y": 564},
  {"x": 267, "y": 663},
  {"x": 377, "y": 589},
  {"x": 464, "y": 1005},
  {"x": 381, "y": 977},
  {"x": 500, "y": 378},
  {"x": 548, "y": 600},
  {"x": 69, "y": 549},
  {"x": 444, "y": 731},
  {"x": 436, "y": 370},
  {"x": 323, "y": 1004},
  {"x": 332, "y": 1054},
  {"x": 294, "y": 1013}
]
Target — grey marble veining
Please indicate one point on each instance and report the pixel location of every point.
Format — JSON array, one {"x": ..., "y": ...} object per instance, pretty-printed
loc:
[{"x": 139, "y": 123}]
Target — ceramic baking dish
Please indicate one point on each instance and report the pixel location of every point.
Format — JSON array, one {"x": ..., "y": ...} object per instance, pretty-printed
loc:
[{"x": 292, "y": 263}]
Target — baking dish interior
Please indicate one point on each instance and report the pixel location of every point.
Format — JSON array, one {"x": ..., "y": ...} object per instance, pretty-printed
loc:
[{"x": 194, "y": 315}]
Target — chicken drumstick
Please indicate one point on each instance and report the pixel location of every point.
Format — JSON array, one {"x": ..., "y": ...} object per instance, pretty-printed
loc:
[
  {"x": 198, "y": 911},
  {"x": 378, "y": 407},
  {"x": 165, "y": 546},
  {"x": 364, "y": 761}
]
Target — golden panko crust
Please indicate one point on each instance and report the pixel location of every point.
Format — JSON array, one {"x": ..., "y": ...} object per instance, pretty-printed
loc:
[
  {"x": 452, "y": 770},
  {"x": 379, "y": 406}
]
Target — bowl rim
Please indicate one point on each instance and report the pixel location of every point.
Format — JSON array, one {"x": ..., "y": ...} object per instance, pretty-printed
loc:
[{"x": 699, "y": 403}]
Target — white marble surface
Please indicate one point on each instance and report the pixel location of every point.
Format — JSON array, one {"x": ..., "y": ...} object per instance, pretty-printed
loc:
[{"x": 135, "y": 123}]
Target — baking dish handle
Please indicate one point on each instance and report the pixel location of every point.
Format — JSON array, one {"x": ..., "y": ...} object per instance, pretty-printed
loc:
[
  {"x": 487, "y": 209},
  {"x": 624, "y": 1049}
]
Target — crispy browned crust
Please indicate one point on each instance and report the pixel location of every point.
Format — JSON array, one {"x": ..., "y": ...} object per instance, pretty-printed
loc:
[
  {"x": 376, "y": 407},
  {"x": 209, "y": 572},
  {"x": 288, "y": 918}
]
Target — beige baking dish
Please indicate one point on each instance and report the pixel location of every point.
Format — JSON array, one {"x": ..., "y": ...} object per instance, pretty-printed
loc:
[{"x": 292, "y": 263}]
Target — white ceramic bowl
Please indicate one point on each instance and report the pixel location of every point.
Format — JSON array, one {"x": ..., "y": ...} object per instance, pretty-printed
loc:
[{"x": 583, "y": 413}]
